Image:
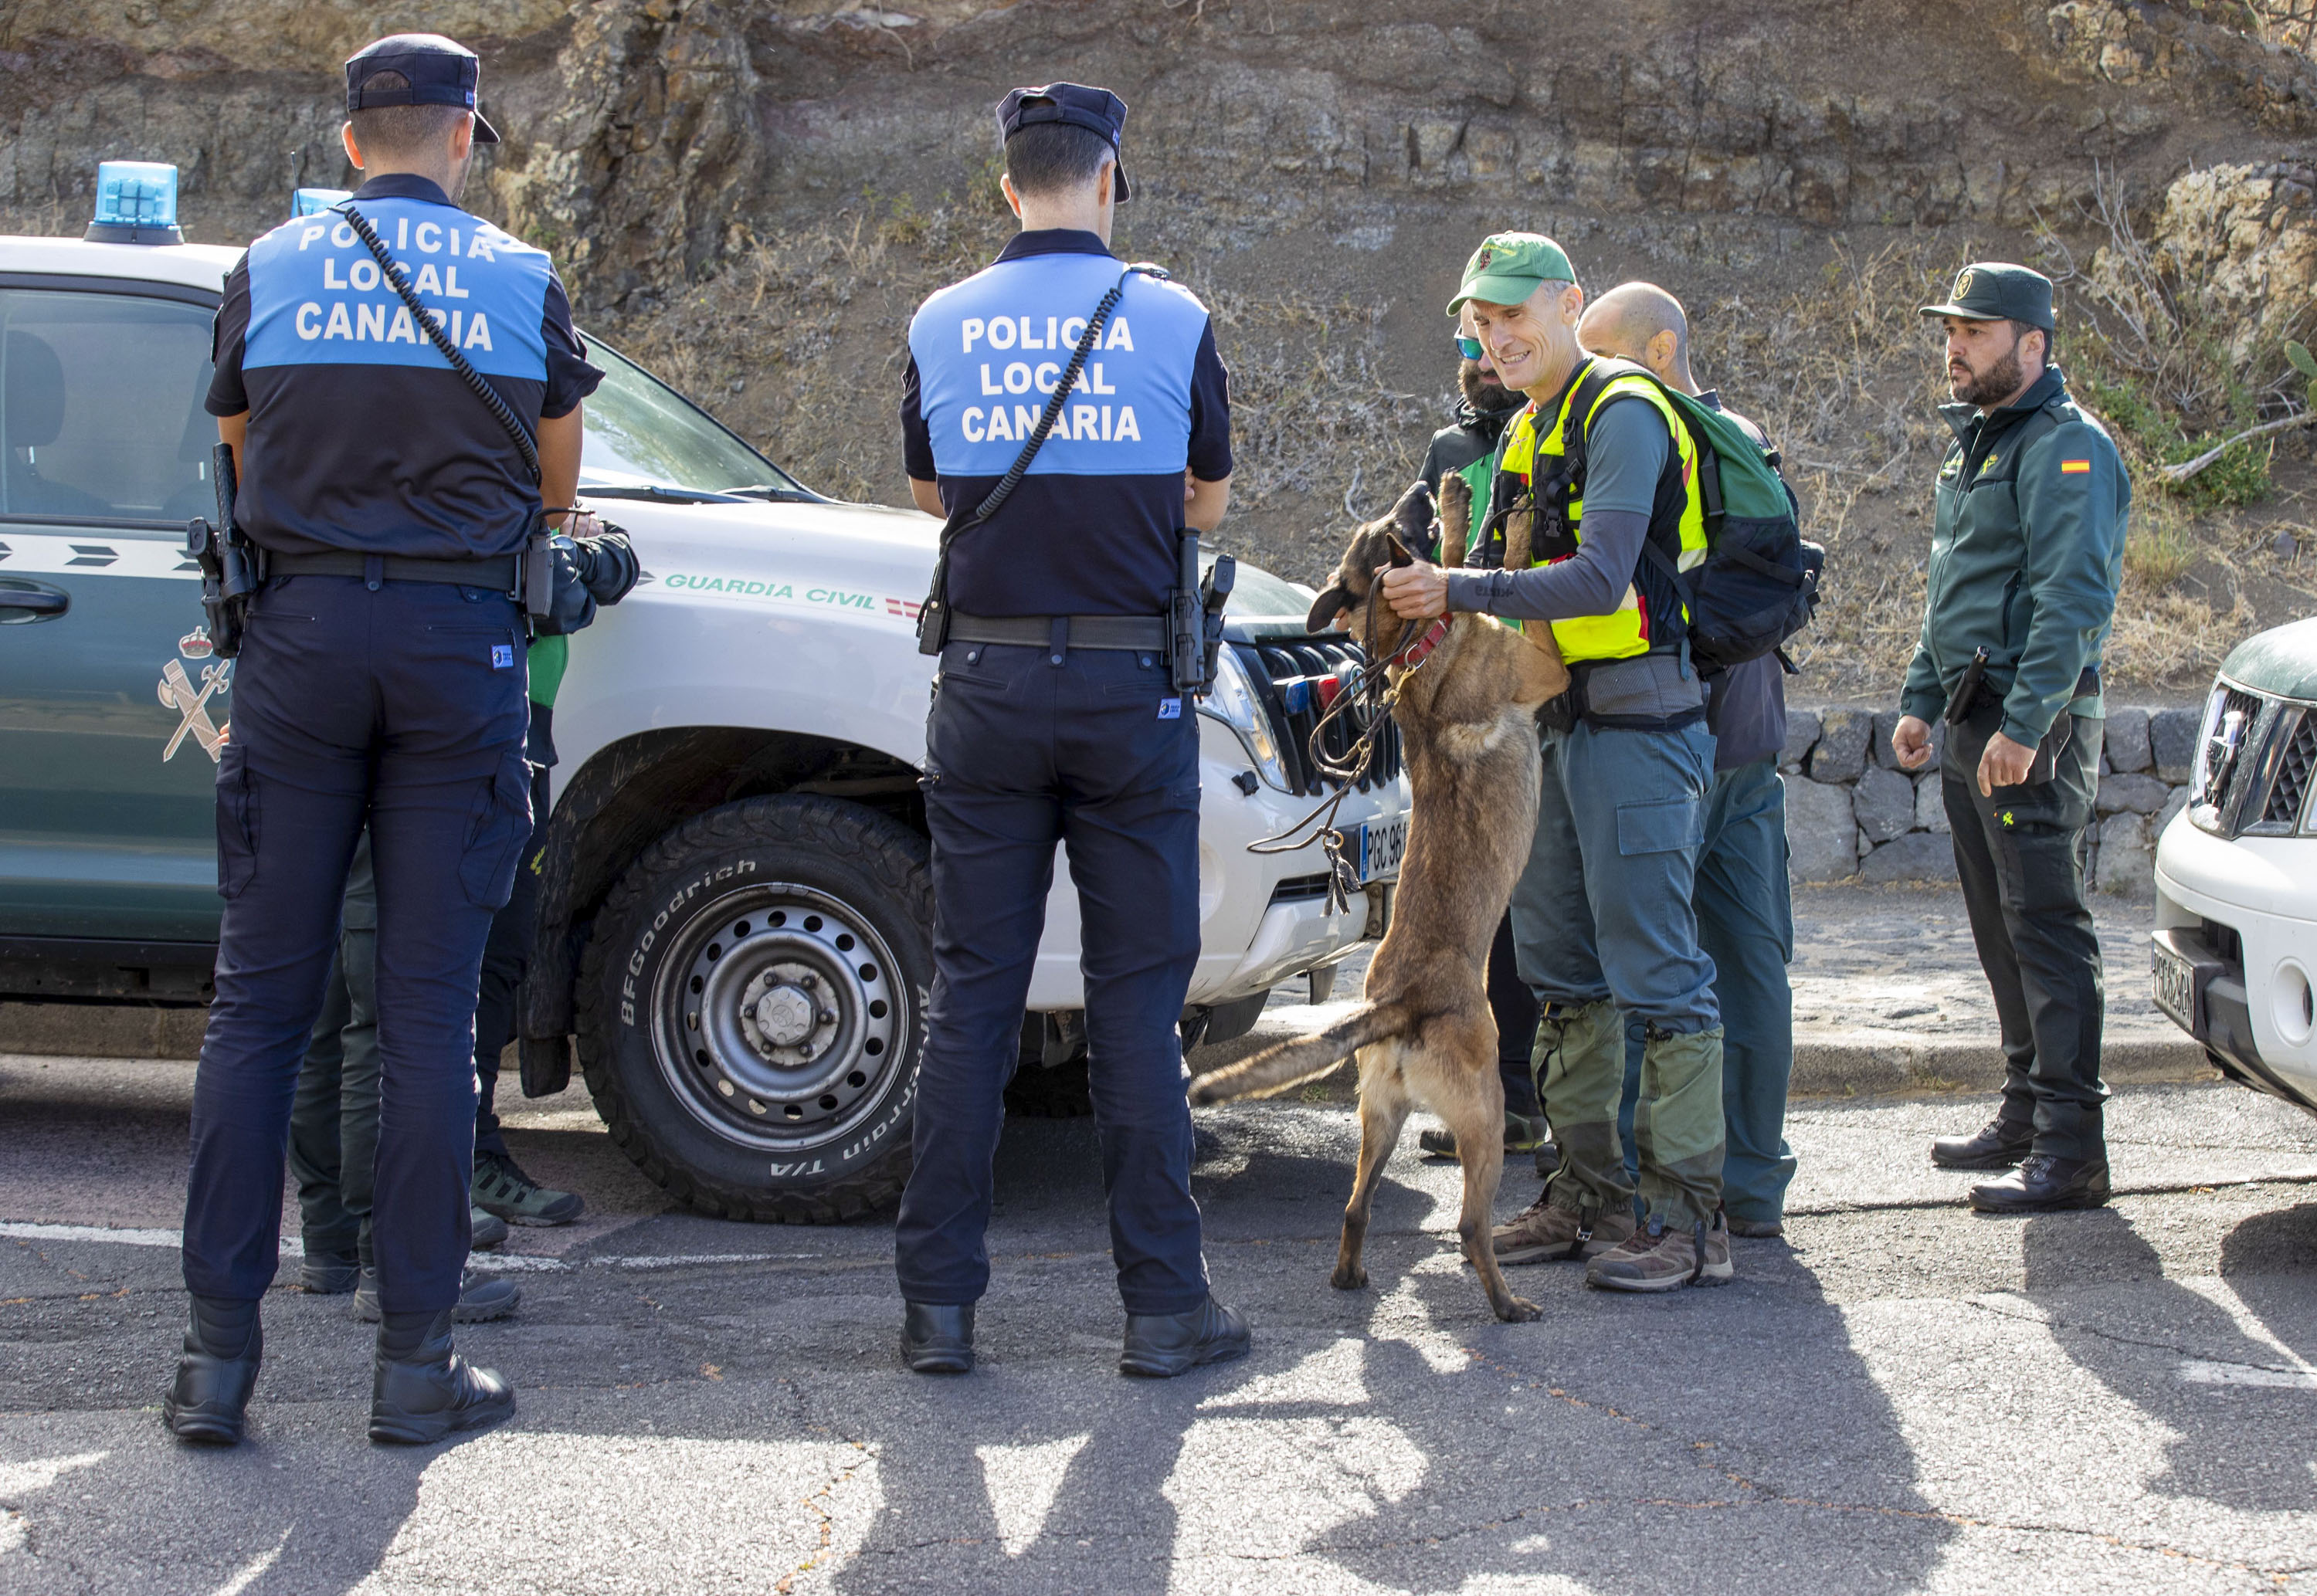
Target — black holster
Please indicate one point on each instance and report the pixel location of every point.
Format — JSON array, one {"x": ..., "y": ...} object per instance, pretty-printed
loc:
[{"x": 1194, "y": 616}]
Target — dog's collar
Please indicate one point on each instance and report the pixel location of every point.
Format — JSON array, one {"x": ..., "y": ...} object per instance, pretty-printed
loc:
[{"x": 1410, "y": 654}]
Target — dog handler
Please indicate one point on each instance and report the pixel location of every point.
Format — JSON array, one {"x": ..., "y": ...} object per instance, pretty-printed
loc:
[
  {"x": 1055, "y": 719},
  {"x": 1602, "y": 914}
]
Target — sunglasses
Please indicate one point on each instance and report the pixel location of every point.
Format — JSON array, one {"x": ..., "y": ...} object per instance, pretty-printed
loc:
[{"x": 1469, "y": 348}]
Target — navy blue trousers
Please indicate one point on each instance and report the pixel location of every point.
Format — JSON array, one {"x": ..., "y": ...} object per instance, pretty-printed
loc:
[
  {"x": 1025, "y": 750},
  {"x": 401, "y": 705}
]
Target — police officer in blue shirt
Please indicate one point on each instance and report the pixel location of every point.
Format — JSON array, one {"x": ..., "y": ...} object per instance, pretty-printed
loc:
[
  {"x": 1054, "y": 720},
  {"x": 381, "y": 680}
]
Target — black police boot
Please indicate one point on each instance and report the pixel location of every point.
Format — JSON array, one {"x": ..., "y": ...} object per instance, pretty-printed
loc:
[
  {"x": 2045, "y": 1184},
  {"x": 1999, "y": 1145},
  {"x": 207, "y": 1402},
  {"x": 1160, "y": 1346},
  {"x": 937, "y": 1338},
  {"x": 423, "y": 1390}
]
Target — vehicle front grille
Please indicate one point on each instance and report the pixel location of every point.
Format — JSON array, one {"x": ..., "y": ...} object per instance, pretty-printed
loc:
[
  {"x": 2288, "y": 790},
  {"x": 1275, "y": 667},
  {"x": 2259, "y": 782}
]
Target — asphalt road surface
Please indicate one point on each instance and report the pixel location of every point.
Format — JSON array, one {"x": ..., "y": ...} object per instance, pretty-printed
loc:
[{"x": 1897, "y": 1396}]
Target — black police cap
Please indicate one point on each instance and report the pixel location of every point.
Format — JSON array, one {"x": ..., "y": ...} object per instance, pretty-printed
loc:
[
  {"x": 439, "y": 71},
  {"x": 1097, "y": 110}
]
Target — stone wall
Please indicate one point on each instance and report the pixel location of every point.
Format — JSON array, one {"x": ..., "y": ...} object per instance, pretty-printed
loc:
[{"x": 1852, "y": 815}]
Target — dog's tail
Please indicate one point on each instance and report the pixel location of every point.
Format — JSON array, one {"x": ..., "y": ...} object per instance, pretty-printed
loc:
[{"x": 1299, "y": 1058}]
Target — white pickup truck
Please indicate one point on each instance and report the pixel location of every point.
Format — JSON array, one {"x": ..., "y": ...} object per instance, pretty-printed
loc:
[{"x": 734, "y": 921}]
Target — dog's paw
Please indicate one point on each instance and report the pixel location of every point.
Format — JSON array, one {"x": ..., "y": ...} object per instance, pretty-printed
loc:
[
  {"x": 1353, "y": 1277},
  {"x": 1518, "y": 1310}
]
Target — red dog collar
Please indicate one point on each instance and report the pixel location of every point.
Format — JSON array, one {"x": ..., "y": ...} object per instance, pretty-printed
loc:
[{"x": 1410, "y": 654}]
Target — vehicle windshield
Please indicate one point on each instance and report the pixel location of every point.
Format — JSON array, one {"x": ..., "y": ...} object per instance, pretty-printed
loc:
[{"x": 646, "y": 439}]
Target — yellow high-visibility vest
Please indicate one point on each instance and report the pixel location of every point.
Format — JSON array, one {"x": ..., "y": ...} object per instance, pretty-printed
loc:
[{"x": 1630, "y": 629}]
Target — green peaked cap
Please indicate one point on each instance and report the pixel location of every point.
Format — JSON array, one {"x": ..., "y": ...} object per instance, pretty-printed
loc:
[{"x": 1507, "y": 267}]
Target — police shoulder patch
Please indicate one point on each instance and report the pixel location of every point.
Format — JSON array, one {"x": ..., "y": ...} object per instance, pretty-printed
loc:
[{"x": 2075, "y": 467}]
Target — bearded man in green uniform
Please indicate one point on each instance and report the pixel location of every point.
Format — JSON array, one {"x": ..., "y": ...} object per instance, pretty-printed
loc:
[{"x": 2033, "y": 503}]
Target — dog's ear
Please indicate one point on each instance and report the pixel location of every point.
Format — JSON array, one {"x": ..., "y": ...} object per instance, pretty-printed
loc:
[
  {"x": 1412, "y": 516},
  {"x": 1400, "y": 558},
  {"x": 1331, "y": 603}
]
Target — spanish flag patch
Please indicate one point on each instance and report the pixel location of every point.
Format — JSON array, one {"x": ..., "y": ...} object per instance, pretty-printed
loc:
[{"x": 2074, "y": 468}]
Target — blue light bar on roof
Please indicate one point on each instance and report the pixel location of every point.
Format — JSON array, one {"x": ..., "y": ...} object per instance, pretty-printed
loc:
[
  {"x": 309, "y": 202},
  {"x": 136, "y": 204}
]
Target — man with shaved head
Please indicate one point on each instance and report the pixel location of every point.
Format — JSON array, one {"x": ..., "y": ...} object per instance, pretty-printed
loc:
[{"x": 1744, "y": 905}]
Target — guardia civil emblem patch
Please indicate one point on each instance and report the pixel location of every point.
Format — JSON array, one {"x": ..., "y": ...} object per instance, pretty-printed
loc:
[{"x": 1963, "y": 285}]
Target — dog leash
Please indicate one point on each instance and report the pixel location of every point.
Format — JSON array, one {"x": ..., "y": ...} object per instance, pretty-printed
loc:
[{"x": 1371, "y": 685}]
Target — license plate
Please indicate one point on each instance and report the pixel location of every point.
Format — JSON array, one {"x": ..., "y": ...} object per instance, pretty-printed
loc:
[
  {"x": 1381, "y": 842},
  {"x": 2173, "y": 983}
]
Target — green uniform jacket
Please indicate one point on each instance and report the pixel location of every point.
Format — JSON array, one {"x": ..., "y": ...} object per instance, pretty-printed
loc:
[{"x": 2025, "y": 554}]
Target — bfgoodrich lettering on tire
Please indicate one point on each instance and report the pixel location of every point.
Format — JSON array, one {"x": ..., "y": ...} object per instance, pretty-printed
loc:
[{"x": 752, "y": 1005}]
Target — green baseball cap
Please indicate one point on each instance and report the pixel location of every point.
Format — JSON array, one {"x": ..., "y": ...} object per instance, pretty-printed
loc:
[
  {"x": 1507, "y": 267},
  {"x": 1997, "y": 290}
]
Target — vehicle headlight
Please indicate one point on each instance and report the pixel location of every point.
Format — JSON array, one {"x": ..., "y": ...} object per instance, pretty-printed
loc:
[{"x": 1233, "y": 701}]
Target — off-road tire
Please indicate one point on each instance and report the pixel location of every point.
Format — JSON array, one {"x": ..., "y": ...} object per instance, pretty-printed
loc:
[{"x": 696, "y": 876}]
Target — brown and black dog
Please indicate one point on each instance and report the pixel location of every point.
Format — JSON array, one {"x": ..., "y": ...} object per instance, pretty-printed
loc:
[{"x": 1423, "y": 1031}]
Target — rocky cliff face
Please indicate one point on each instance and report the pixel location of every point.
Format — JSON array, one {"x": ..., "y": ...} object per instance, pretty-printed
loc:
[{"x": 756, "y": 193}]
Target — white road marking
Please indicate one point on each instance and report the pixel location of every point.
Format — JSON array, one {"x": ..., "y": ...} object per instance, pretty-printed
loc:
[{"x": 2197, "y": 1371}]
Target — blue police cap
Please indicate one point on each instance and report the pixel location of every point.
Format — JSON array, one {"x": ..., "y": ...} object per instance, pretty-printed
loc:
[
  {"x": 439, "y": 72},
  {"x": 1098, "y": 111}
]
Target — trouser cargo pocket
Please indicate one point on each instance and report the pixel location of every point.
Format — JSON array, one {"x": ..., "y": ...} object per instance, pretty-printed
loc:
[
  {"x": 236, "y": 822},
  {"x": 495, "y": 834}
]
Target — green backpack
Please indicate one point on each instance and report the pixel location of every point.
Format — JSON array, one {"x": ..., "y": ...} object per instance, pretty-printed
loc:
[{"x": 1758, "y": 583}]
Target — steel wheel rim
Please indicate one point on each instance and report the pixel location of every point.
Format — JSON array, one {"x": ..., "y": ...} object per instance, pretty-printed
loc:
[{"x": 781, "y": 1018}]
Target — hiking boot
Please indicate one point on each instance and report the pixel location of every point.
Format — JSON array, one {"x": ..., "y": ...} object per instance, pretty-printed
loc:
[
  {"x": 481, "y": 1298},
  {"x": 485, "y": 1231},
  {"x": 329, "y": 1274},
  {"x": 937, "y": 1338},
  {"x": 1546, "y": 1232},
  {"x": 502, "y": 1189},
  {"x": 1758, "y": 1228},
  {"x": 422, "y": 1390},
  {"x": 1666, "y": 1258},
  {"x": 1524, "y": 1133}
]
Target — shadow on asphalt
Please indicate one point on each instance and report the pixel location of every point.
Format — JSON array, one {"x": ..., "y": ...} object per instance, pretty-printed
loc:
[{"x": 2078, "y": 1267}]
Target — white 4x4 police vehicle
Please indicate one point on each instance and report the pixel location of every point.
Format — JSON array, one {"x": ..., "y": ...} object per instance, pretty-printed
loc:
[
  {"x": 734, "y": 920},
  {"x": 2235, "y": 951}
]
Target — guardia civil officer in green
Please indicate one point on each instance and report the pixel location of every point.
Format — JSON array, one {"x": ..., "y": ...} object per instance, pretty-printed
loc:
[
  {"x": 1602, "y": 920},
  {"x": 2026, "y": 553},
  {"x": 380, "y": 681},
  {"x": 1057, "y": 716}
]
